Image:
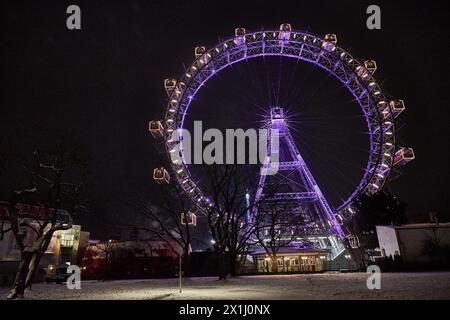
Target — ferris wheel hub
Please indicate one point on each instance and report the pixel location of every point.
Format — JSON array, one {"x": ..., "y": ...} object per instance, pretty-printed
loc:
[{"x": 276, "y": 113}]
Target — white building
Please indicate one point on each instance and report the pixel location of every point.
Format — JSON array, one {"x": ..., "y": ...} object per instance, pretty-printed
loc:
[
  {"x": 65, "y": 245},
  {"x": 412, "y": 242}
]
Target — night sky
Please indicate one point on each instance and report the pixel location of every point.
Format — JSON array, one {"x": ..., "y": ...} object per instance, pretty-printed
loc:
[{"x": 102, "y": 84}]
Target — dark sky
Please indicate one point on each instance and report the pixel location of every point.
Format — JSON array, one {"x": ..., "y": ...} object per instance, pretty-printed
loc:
[{"x": 102, "y": 84}]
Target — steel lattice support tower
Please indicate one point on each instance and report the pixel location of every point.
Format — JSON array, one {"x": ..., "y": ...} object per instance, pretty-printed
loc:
[{"x": 292, "y": 182}]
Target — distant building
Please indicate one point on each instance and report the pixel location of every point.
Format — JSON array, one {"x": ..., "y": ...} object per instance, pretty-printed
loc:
[
  {"x": 415, "y": 244},
  {"x": 130, "y": 259},
  {"x": 66, "y": 246},
  {"x": 292, "y": 260}
]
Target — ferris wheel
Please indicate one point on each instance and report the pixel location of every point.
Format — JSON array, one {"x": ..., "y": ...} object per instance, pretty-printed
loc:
[{"x": 357, "y": 77}]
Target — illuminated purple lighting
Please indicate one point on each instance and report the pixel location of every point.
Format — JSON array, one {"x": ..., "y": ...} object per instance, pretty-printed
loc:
[
  {"x": 290, "y": 160},
  {"x": 309, "y": 48}
]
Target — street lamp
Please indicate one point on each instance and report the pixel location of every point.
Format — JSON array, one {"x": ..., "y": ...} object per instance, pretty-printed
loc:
[
  {"x": 247, "y": 199},
  {"x": 348, "y": 257}
]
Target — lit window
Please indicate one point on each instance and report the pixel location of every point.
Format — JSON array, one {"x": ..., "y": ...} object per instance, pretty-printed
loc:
[{"x": 67, "y": 240}]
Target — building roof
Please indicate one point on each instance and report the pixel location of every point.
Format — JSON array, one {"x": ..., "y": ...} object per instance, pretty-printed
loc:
[
  {"x": 420, "y": 226},
  {"x": 261, "y": 251},
  {"x": 36, "y": 212}
]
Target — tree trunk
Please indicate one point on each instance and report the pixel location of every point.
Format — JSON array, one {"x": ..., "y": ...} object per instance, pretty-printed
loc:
[
  {"x": 232, "y": 262},
  {"x": 36, "y": 259},
  {"x": 221, "y": 265},
  {"x": 33, "y": 267},
  {"x": 274, "y": 262},
  {"x": 19, "y": 285}
]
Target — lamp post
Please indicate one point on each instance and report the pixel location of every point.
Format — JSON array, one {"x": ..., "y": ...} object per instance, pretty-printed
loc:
[
  {"x": 179, "y": 269},
  {"x": 348, "y": 257},
  {"x": 186, "y": 219}
]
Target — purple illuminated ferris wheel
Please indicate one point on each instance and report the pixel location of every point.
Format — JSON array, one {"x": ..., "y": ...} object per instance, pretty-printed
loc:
[{"x": 357, "y": 77}]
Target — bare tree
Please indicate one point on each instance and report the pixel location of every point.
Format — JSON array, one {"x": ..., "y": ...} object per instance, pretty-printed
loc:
[
  {"x": 229, "y": 214},
  {"x": 278, "y": 225},
  {"x": 55, "y": 181},
  {"x": 162, "y": 219}
]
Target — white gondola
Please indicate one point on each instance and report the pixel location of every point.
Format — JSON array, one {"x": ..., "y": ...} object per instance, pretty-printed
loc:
[
  {"x": 161, "y": 176},
  {"x": 199, "y": 51},
  {"x": 201, "y": 55},
  {"x": 239, "y": 33},
  {"x": 188, "y": 219},
  {"x": 403, "y": 156},
  {"x": 397, "y": 107},
  {"x": 156, "y": 129},
  {"x": 169, "y": 85},
  {"x": 353, "y": 241},
  {"x": 370, "y": 66},
  {"x": 285, "y": 31},
  {"x": 329, "y": 42}
]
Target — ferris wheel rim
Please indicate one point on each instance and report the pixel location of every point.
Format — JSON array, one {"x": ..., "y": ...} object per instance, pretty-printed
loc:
[{"x": 376, "y": 171}]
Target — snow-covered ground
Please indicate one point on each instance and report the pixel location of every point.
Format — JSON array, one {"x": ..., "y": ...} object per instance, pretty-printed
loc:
[{"x": 430, "y": 285}]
